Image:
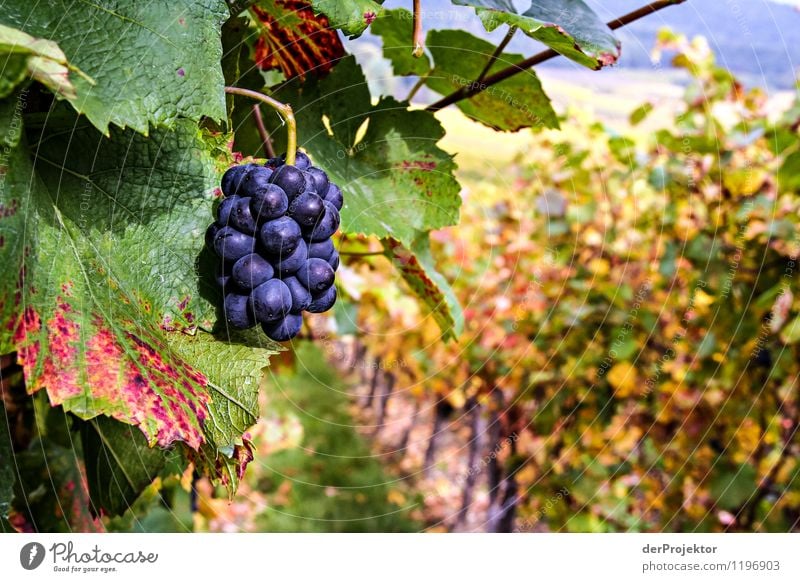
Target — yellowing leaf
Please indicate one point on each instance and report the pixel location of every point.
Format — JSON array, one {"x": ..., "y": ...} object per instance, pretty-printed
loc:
[
  {"x": 747, "y": 436},
  {"x": 743, "y": 182},
  {"x": 44, "y": 61},
  {"x": 394, "y": 496},
  {"x": 625, "y": 379},
  {"x": 702, "y": 300},
  {"x": 457, "y": 399},
  {"x": 599, "y": 267}
]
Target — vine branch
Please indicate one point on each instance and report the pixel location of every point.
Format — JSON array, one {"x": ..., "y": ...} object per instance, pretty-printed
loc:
[
  {"x": 497, "y": 52},
  {"x": 262, "y": 131},
  {"x": 477, "y": 87},
  {"x": 285, "y": 111},
  {"x": 417, "y": 86},
  {"x": 418, "y": 39},
  {"x": 364, "y": 254}
]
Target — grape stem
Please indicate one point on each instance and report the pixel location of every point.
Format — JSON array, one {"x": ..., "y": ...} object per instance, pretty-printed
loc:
[
  {"x": 417, "y": 86},
  {"x": 473, "y": 89},
  {"x": 365, "y": 254},
  {"x": 285, "y": 111},
  {"x": 418, "y": 39},
  {"x": 497, "y": 52}
]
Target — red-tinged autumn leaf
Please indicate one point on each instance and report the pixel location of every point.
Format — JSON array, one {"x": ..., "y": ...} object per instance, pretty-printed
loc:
[
  {"x": 77, "y": 493},
  {"x": 51, "y": 479},
  {"x": 242, "y": 455},
  {"x": 295, "y": 40},
  {"x": 225, "y": 467},
  {"x": 131, "y": 382}
]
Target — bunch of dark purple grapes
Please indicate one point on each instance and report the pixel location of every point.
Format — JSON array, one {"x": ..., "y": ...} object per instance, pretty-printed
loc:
[{"x": 273, "y": 236}]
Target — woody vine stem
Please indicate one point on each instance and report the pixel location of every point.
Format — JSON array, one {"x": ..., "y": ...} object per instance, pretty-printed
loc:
[{"x": 285, "y": 111}]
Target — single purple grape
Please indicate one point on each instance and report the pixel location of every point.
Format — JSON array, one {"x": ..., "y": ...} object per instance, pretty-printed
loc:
[
  {"x": 225, "y": 208},
  {"x": 320, "y": 179},
  {"x": 306, "y": 209},
  {"x": 284, "y": 329},
  {"x": 301, "y": 298},
  {"x": 251, "y": 271},
  {"x": 326, "y": 226},
  {"x": 280, "y": 237},
  {"x": 321, "y": 250},
  {"x": 268, "y": 203},
  {"x": 270, "y": 301},
  {"x": 232, "y": 245},
  {"x": 323, "y": 302},
  {"x": 256, "y": 179},
  {"x": 288, "y": 265},
  {"x": 241, "y": 218},
  {"x": 232, "y": 179},
  {"x": 316, "y": 275},
  {"x": 333, "y": 260},
  {"x": 237, "y": 311},
  {"x": 334, "y": 196},
  {"x": 289, "y": 178}
]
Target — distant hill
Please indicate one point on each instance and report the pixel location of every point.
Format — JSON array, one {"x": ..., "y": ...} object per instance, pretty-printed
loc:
[{"x": 757, "y": 39}]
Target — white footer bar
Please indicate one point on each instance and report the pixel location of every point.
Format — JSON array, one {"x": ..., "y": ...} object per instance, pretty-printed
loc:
[{"x": 401, "y": 557}]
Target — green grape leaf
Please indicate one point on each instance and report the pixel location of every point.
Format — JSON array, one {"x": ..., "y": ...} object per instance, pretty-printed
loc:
[
  {"x": 569, "y": 27},
  {"x": 395, "y": 27},
  {"x": 42, "y": 60},
  {"x": 789, "y": 172},
  {"x": 119, "y": 464},
  {"x": 416, "y": 265},
  {"x": 110, "y": 230},
  {"x": 733, "y": 487},
  {"x": 351, "y": 16},
  {"x": 397, "y": 182},
  {"x": 514, "y": 104},
  {"x": 234, "y": 370},
  {"x": 151, "y": 63},
  {"x": 14, "y": 177}
]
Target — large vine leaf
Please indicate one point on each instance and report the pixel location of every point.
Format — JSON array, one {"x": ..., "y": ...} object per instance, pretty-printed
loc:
[
  {"x": 119, "y": 464},
  {"x": 25, "y": 56},
  {"x": 395, "y": 27},
  {"x": 397, "y": 182},
  {"x": 234, "y": 368},
  {"x": 351, "y": 16},
  {"x": 110, "y": 229},
  {"x": 153, "y": 62},
  {"x": 103, "y": 263},
  {"x": 14, "y": 176},
  {"x": 516, "y": 103},
  {"x": 416, "y": 265},
  {"x": 569, "y": 27}
]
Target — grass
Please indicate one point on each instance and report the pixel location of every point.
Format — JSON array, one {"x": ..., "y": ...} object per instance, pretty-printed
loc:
[{"x": 330, "y": 482}]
